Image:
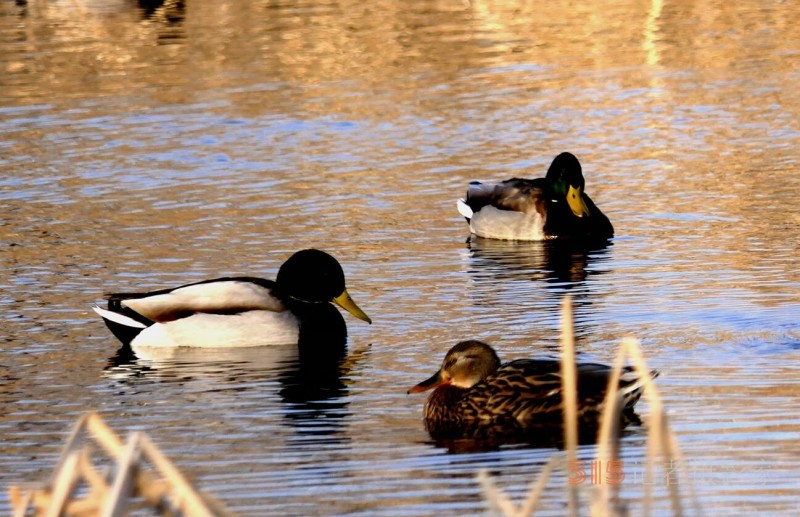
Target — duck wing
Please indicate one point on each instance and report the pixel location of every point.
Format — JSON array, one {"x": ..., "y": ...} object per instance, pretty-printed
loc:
[
  {"x": 521, "y": 195},
  {"x": 515, "y": 194},
  {"x": 531, "y": 390},
  {"x": 228, "y": 295},
  {"x": 516, "y": 391}
]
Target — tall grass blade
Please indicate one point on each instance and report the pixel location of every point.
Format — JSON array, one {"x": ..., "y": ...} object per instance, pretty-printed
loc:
[
  {"x": 607, "y": 498},
  {"x": 570, "y": 397},
  {"x": 497, "y": 500},
  {"x": 536, "y": 490}
]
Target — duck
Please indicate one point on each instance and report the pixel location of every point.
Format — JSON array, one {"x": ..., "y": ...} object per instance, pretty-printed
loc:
[
  {"x": 236, "y": 311},
  {"x": 553, "y": 207},
  {"x": 473, "y": 392}
]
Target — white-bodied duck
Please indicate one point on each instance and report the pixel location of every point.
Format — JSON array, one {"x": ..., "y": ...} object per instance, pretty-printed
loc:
[
  {"x": 553, "y": 207},
  {"x": 232, "y": 311}
]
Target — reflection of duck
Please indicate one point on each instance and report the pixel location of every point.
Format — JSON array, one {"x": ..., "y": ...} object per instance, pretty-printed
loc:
[
  {"x": 310, "y": 372},
  {"x": 232, "y": 312},
  {"x": 172, "y": 11},
  {"x": 313, "y": 387},
  {"x": 306, "y": 384},
  {"x": 553, "y": 207},
  {"x": 316, "y": 373},
  {"x": 553, "y": 261},
  {"x": 474, "y": 395}
]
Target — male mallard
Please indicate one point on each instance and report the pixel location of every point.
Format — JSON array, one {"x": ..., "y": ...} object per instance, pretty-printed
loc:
[
  {"x": 232, "y": 311},
  {"x": 553, "y": 207},
  {"x": 473, "y": 391}
]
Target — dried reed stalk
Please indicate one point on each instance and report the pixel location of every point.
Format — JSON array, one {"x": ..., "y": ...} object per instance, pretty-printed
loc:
[
  {"x": 173, "y": 495},
  {"x": 661, "y": 440},
  {"x": 116, "y": 505},
  {"x": 606, "y": 501},
  {"x": 536, "y": 490},
  {"x": 501, "y": 504},
  {"x": 65, "y": 482},
  {"x": 570, "y": 397}
]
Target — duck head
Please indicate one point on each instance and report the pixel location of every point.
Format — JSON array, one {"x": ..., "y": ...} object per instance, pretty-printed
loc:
[
  {"x": 566, "y": 177},
  {"x": 313, "y": 276},
  {"x": 465, "y": 365}
]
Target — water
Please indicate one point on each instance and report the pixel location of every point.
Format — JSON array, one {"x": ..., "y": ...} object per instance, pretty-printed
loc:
[{"x": 144, "y": 148}]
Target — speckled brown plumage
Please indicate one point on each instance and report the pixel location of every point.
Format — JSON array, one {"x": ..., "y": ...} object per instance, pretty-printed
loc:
[{"x": 514, "y": 397}]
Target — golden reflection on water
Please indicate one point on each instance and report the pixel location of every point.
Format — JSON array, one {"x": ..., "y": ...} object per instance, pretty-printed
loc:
[{"x": 103, "y": 48}]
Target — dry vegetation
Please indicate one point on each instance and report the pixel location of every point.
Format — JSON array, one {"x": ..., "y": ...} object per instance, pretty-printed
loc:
[
  {"x": 141, "y": 476},
  {"x": 662, "y": 445}
]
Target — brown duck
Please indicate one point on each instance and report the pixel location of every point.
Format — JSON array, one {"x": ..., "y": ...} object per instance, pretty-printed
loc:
[{"x": 475, "y": 396}]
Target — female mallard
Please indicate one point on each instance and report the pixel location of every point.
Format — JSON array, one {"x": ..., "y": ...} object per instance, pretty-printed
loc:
[
  {"x": 473, "y": 392},
  {"x": 232, "y": 311},
  {"x": 553, "y": 207}
]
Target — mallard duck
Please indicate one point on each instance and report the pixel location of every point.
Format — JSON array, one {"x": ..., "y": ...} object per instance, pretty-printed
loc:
[
  {"x": 232, "y": 311},
  {"x": 472, "y": 390},
  {"x": 553, "y": 207}
]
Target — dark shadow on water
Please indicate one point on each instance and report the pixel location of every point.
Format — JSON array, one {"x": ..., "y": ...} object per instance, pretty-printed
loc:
[
  {"x": 170, "y": 12},
  {"x": 124, "y": 364},
  {"x": 22, "y": 8},
  {"x": 313, "y": 391},
  {"x": 482, "y": 438},
  {"x": 559, "y": 264},
  {"x": 310, "y": 374},
  {"x": 536, "y": 275},
  {"x": 165, "y": 18}
]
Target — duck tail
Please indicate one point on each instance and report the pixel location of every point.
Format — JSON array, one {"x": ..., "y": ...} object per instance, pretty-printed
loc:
[
  {"x": 464, "y": 209},
  {"x": 123, "y": 327},
  {"x": 632, "y": 386}
]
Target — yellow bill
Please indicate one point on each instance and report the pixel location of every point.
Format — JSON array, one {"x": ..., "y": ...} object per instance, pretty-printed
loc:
[
  {"x": 575, "y": 200},
  {"x": 345, "y": 302}
]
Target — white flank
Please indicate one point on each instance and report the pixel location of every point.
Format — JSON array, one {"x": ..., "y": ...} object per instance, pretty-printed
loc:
[
  {"x": 118, "y": 318},
  {"x": 227, "y": 295},
  {"x": 251, "y": 328},
  {"x": 493, "y": 223},
  {"x": 464, "y": 209}
]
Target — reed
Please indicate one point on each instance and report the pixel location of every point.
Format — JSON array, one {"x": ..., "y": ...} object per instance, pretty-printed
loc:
[
  {"x": 569, "y": 383},
  {"x": 605, "y": 500},
  {"x": 140, "y": 471}
]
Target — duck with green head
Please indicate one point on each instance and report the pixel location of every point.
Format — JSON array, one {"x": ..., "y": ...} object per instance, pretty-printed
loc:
[
  {"x": 553, "y": 207},
  {"x": 232, "y": 311}
]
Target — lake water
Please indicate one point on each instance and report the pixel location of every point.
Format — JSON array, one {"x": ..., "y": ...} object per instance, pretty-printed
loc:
[{"x": 145, "y": 148}]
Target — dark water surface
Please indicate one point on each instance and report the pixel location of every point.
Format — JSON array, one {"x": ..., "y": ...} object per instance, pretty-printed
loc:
[{"x": 143, "y": 148}]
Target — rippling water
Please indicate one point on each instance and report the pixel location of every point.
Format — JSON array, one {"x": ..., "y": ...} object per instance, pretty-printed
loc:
[{"x": 148, "y": 147}]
